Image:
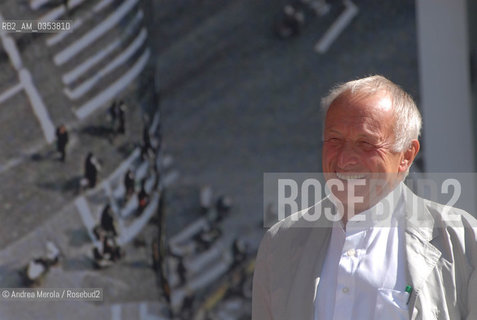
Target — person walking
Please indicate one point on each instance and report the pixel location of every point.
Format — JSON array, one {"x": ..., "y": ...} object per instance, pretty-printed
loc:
[
  {"x": 61, "y": 141},
  {"x": 91, "y": 169},
  {"x": 121, "y": 113}
]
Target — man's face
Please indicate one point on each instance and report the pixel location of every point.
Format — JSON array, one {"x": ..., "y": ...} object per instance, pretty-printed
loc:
[{"x": 358, "y": 140}]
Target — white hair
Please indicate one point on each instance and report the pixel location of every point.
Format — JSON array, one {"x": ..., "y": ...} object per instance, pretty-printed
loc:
[{"x": 408, "y": 121}]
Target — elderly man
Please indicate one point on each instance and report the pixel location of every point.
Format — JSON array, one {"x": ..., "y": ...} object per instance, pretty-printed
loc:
[{"x": 416, "y": 263}]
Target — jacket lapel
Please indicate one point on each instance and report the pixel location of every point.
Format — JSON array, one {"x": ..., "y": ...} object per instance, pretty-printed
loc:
[
  {"x": 421, "y": 255},
  {"x": 311, "y": 253},
  {"x": 303, "y": 292}
]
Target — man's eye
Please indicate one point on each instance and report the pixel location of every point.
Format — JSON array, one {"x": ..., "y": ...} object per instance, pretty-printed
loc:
[{"x": 366, "y": 144}]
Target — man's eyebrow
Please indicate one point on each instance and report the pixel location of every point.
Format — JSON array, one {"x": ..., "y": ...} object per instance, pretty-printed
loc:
[
  {"x": 331, "y": 130},
  {"x": 371, "y": 134}
]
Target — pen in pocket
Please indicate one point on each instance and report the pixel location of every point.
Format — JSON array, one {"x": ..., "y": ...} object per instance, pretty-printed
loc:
[{"x": 408, "y": 290}]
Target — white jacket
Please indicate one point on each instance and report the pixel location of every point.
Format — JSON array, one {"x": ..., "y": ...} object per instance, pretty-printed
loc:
[{"x": 441, "y": 254}]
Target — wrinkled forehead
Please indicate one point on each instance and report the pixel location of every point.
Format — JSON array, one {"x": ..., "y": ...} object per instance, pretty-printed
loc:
[
  {"x": 358, "y": 98},
  {"x": 363, "y": 102},
  {"x": 374, "y": 110}
]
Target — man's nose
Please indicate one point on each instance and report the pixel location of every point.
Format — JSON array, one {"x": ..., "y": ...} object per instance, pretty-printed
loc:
[{"x": 347, "y": 156}]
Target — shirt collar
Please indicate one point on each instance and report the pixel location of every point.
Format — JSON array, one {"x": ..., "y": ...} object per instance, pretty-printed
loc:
[{"x": 386, "y": 213}]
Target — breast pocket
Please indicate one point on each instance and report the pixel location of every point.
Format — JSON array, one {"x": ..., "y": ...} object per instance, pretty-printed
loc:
[{"x": 391, "y": 305}]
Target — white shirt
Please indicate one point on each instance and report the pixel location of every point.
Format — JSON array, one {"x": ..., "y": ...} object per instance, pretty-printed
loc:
[{"x": 364, "y": 272}]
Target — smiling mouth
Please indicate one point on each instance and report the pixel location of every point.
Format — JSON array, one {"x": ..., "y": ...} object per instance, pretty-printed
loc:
[{"x": 350, "y": 176}]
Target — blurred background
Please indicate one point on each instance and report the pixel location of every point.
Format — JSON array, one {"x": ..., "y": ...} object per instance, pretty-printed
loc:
[{"x": 134, "y": 144}]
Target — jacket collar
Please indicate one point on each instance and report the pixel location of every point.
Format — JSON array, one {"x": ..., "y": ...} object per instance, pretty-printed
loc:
[
  {"x": 422, "y": 256},
  {"x": 419, "y": 221}
]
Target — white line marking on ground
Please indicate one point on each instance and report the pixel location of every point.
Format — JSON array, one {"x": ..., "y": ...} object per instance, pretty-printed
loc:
[
  {"x": 170, "y": 178},
  {"x": 82, "y": 43},
  {"x": 155, "y": 123},
  {"x": 130, "y": 208},
  {"x": 77, "y": 23},
  {"x": 85, "y": 213},
  {"x": 133, "y": 230},
  {"x": 79, "y": 70},
  {"x": 116, "y": 312},
  {"x": 39, "y": 107},
  {"x": 111, "y": 92},
  {"x": 101, "y": 5},
  {"x": 10, "y": 164},
  {"x": 188, "y": 231},
  {"x": 141, "y": 171},
  {"x": 25, "y": 155},
  {"x": 26, "y": 82},
  {"x": 56, "y": 13},
  {"x": 114, "y": 206},
  {"x": 119, "y": 60},
  {"x": 82, "y": 68},
  {"x": 167, "y": 161},
  {"x": 143, "y": 313},
  {"x": 199, "y": 262},
  {"x": 10, "y": 92},
  {"x": 36, "y": 4},
  {"x": 11, "y": 49},
  {"x": 51, "y": 41},
  {"x": 337, "y": 27},
  {"x": 124, "y": 166},
  {"x": 209, "y": 275},
  {"x": 199, "y": 282}
]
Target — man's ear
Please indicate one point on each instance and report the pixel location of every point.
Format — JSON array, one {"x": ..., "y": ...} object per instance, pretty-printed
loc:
[{"x": 409, "y": 155}]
